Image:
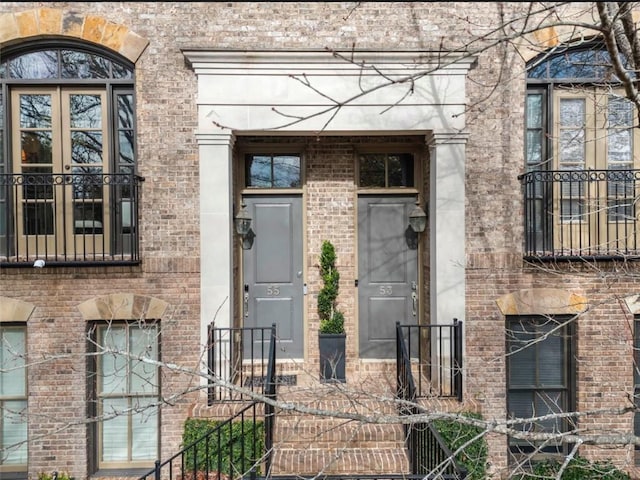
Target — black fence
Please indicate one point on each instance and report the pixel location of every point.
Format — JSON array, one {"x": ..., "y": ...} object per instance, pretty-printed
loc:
[
  {"x": 63, "y": 219},
  {"x": 429, "y": 456},
  {"x": 581, "y": 214},
  {"x": 238, "y": 447},
  {"x": 238, "y": 357},
  {"x": 434, "y": 353}
]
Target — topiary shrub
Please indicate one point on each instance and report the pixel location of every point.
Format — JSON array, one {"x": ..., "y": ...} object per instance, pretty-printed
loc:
[{"x": 331, "y": 320}]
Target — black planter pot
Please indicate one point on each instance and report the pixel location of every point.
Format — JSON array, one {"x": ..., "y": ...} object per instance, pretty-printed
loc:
[{"x": 332, "y": 357}]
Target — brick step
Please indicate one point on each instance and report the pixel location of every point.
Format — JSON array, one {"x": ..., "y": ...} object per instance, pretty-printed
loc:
[
  {"x": 334, "y": 461},
  {"x": 322, "y": 432}
]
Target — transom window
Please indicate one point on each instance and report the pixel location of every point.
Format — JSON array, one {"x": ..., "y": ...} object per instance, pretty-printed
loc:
[
  {"x": 68, "y": 189},
  {"x": 582, "y": 161},
  {"x": 127, "y": 389},
  {"x": 13, "y": 398},
  {"x": 384, "y": 170},
  {"x": 273, "y": 171}
]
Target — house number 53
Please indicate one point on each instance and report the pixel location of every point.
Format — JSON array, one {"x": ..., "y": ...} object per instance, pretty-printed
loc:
[
  {"x": 386, "y": 290},
  {"x": 273, "y": 291}
]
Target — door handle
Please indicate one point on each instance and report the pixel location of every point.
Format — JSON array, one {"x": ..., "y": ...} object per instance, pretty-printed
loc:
[
  {"x": 414, "y": 298},
  {"x": 246, "y": 300}
]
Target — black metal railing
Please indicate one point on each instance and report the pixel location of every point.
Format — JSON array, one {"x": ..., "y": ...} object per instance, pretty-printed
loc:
[
  {"x": 435, "y": 355},
  {"x": 238, "y": 447},
  {"x": 581, "y": 214},
  {"x": 238, "y": 356},
  {"x": 428, "y": 453},
  {"x": 69, "y": 218},
  {"x": 232, "y": 449}
]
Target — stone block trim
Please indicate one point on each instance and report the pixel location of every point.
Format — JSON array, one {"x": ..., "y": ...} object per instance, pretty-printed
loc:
[
  {"x": 122, "y": 306},
  {"x": 13, "y": 310},
  {"x": 51, "y": 21},
  {"x": 542, "y": 301}
]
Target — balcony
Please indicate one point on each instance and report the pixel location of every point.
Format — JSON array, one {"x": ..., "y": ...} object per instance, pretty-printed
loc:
[
  {"x": 581, "y": 214},
  {"x": 81, "y": 219}
]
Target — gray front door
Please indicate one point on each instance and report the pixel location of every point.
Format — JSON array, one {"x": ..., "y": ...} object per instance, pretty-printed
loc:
[
  {"x": 387, "y": 272},
  {"x": 272, "y": 269}
]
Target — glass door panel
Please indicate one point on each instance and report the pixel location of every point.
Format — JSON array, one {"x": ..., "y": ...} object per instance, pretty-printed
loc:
[{"x": 58, "y": 146}]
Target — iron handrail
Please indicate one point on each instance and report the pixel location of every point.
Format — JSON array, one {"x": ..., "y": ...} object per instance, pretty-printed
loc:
[{"x": 428, "y": 453}]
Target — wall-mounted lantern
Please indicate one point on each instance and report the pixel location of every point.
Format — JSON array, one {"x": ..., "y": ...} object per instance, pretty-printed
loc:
[
  {"x": 243, "y": 227},
  {"x": 418, "y": 219}
]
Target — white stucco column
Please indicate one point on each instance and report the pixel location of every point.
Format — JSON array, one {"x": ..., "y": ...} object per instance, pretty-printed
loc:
[
  {"x": 447, "y": 225},
  {"x": 216, "y": 235}
]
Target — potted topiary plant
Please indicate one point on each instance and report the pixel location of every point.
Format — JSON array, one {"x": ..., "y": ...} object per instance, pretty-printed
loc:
[{"x": 331, "y": 334}]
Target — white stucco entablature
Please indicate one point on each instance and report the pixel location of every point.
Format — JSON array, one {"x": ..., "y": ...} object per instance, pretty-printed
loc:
[
  {"x": 334, "y": 93},
  {"x": 318, "y": 90}
]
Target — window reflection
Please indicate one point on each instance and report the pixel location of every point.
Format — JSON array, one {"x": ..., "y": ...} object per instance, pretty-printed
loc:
[
  {"x": 386, "y": 170},
  {"x": 273, "y": 171},
  {"x": 64, "y": 64}
]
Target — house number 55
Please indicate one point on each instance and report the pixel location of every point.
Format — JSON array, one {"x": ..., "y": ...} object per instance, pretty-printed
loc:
[
  {"x": 386, "y": 290},
  {"x": 273, "y": 291}
]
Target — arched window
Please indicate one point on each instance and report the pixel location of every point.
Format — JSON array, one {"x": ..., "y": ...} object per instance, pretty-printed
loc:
[
  {"x": 581, "y": 158},
  {"x": 68, "y": 184}
]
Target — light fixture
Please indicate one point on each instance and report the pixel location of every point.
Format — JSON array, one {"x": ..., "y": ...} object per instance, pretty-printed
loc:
[
  {"x": 243, "y": 221},
  {"x": 418, "y": 219}
]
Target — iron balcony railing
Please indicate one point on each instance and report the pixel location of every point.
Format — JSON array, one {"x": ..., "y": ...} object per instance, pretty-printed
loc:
[
  {"x": 581, "y": 214},
  {"x": 69, "y": 218},
  {"x": 435, "y": 358},
  {"x": 428, "y": 453}
]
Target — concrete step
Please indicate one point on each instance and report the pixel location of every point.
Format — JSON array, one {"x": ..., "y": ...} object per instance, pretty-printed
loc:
[{"x": 363, "y": 461}]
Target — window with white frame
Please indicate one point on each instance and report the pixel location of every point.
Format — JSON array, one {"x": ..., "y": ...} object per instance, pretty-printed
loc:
[
  {"x": 127, "y": 386},
  {"x": 13, "y": 398}
]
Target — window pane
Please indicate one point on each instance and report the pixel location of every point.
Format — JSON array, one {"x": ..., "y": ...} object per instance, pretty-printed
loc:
[
  {"x": 86, "y": 147},
  {"x": 37, "y": 219},
  {"x": 619, "y": 148},
  {"x": 87, "y": 218},
  {"x": 572, "y": 146},
  {"x": 549, "y": 402},
  {"x": 522, "y": 355},
  {"x": 113, "y": 365},
  {"x": 144, "y": 435},
  {"x": 551, "y": 357},
  {"x": 14, "y": 432},
  {"x": 12, "y": 362},
  {"x": 400, "y": 170},
  {"x": 84, "y": 65},
  {"x": 35, "y": 111},
  {"x": 43, "y": 64},
  {"x": 534, "y": 147},
  {"x": 115, "y": 431},
  {"x": 259, "y": 171},
  {"x": 125, "y": 126},
  {"x": 36, "y": 147},
  {"x": 286, "y": 171},
  {"x": 85, "y": 111},
  {"x": 143, "y": 344},
  {"x": 620, "y": 112},
  {"x": 372, "y": 171},
  {"x": 534, "y": 111}
]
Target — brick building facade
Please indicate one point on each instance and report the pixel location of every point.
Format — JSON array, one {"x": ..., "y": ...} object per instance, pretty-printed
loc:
[{"x": 208, "y": 83}]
